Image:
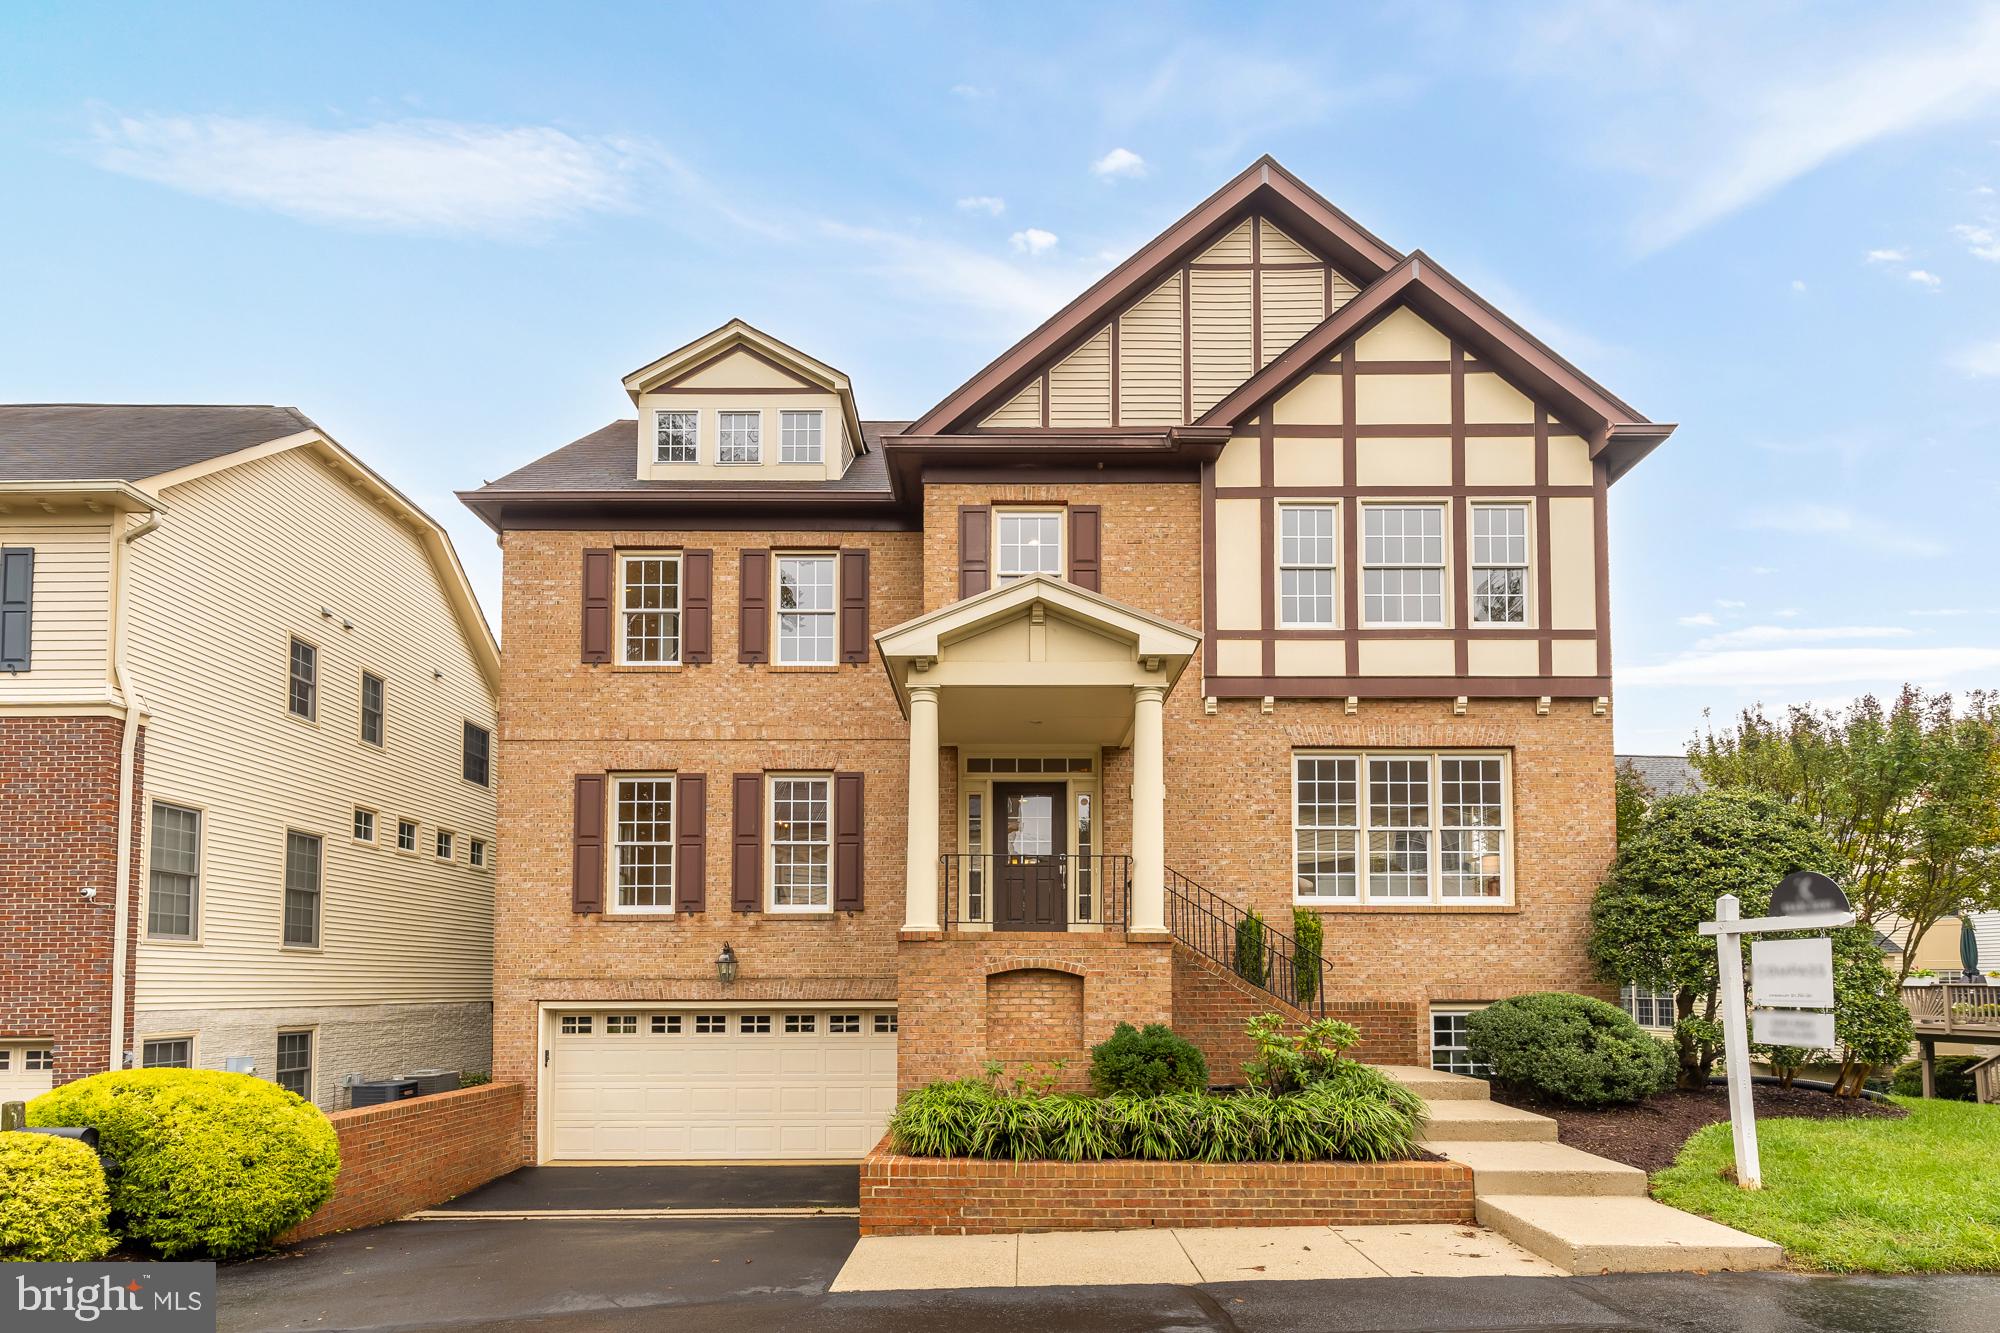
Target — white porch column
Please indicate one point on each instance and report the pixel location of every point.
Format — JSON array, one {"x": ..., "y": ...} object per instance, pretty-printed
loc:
[
  {"x": 920, "y": 892},
  {"x": 1149, "y": 811}
]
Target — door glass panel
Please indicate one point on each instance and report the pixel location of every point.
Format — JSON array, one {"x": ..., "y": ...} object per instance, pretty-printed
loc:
[{"x": 1031, "y": 821}]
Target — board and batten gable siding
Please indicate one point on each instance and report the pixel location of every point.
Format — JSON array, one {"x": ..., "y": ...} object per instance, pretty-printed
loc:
[
  {"x": 248, "y": 558},
  {"x": 70, "y": 639}
]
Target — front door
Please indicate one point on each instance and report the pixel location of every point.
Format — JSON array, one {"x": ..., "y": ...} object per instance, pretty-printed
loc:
[{"x": 1032, "y": 894}]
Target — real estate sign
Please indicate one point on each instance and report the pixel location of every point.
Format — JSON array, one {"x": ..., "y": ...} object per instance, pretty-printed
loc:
[
  {"x": 1792, "y": 974},
  {"x": 1792, "y": 1027}
]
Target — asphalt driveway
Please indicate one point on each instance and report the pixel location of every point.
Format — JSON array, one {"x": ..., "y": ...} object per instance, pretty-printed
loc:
[{"x": 609, "y": 1188}]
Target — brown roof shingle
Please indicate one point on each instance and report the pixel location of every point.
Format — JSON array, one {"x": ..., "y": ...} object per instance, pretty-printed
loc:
[
  {"x": 606, "y": 460},
  {"x": 131, "y": 441}
]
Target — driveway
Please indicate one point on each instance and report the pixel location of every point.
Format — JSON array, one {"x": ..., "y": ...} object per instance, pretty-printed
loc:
[
  {"x": 726, "y": 1275},
  {"x": 534, "y": 1189}
]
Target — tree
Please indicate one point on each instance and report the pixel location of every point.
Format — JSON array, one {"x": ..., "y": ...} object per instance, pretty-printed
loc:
[
  {"x": 1688, "y": 851},
  {"x": 1869, "y": 1020},
  {"x": 1630, "y": 795}
]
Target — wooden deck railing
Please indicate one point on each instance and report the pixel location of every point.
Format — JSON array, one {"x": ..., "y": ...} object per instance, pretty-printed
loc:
[{"x": 1957, "y": 1010}]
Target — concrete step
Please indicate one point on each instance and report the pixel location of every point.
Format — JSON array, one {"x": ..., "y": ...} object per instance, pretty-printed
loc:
[
  {"x": 1501, "y": 1166},
  {"x": 1434, "y": 1086},
  {"x": 1622, "y": 1235},
  {"x": 1467, "y": 1122}
]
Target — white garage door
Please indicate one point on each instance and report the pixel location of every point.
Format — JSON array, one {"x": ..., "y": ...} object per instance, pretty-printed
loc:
[
  {"x": 686, "y": 1084},
  {"x": 26, "y": 1072}
]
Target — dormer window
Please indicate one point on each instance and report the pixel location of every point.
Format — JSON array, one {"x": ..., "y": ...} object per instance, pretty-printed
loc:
[
  {"x": 801, "y": 437},
  {"x": 679, "y": 438},
  {"x": 742, "y": 438}
]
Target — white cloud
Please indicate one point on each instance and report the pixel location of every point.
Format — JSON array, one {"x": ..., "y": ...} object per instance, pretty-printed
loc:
[
  {"x": 1119, "y": 162},
  {"x": 1805, "y": 518},
  {"x": 1887, "y": 256},
  {"x": 1699, "y": 619},
  {"x": 990, "y": 204},
  {"x": 1981, "y": 360},
  {"x": 944, "y": 273},
  {"x": 1878, "y": 667},
  {"x": 1729, "y": 605},
  {"x": 1982, "y": 242},
  {"x": 1754, "y": 636},
  {"x": 426, "y": 176},
  {"x": 1788, "y": 613},
  {"x": 970, "y": 92},
  {"x": 1798, "y": 284},
  {"x": 1032, "y": 241},
  {"x": 1924, "y": 279}
]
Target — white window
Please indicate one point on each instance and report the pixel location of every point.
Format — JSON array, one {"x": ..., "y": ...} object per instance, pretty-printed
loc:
[
  {"x": 843, "y": 1023},
  {"x": 801, "y": 437},
  {"x": 885, "y": 1023},
  {"x": 475, "y": 849},
  {"x": 302, "y": 890},
  {"x": 754, "y": 1024},
  {"x": 805, "y": 610},
  {"x": 649, "y": 596},
  {"x": 1027, "y": 542},
  {"x": 406, "y": 835},
  {"x": 741, "y": 435},
  {"x": 643, "y": 855},
  {"x": 364, "y": 825},
  {"x": 1307, "y": 536},
  {"x": 302, "y": 693},
  {"x": 174, "y": 893},
  {"x": 1649, "y": 1008},
  {"x": 1450, "y": 1052},
  {"x": 576, "y": 1025},
  {"x": 294, "y": 1070},
  {"x": 1500, "y": 564},
  {"x": 444, "y": 844},
  {"x": 666, "y": 1025},
  {"x": 621, "y": 1025},
  {"x": 800, "y": 1023},
  {"x": 1326, "y": 827},
  {"x": 166, "y": 1053},
  {"x": 677, "y": 437},
  {"x": 1402, "y": 564},
  {"x": 1400, "y": 827},
  {"x": 801, "y": 844},
  {"x": 710, "y": 1025}
]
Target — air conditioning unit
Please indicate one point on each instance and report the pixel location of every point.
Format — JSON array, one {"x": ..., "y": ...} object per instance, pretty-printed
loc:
[
  {"x": 379, "y": 1092},
  {"x": 429, "y": 1081}
]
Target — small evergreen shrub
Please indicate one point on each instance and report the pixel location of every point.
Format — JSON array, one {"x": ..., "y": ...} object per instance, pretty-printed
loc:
[
  {"x": 1310, "y": 935},
  {"x": 1145, "y": 1062},
  {"x": 210, "y": 1164},
  {"x": 1954, "y": 1079},
  {"x": 54, "y": 1207},
  {"x": 1250, "y": 949},
  {"x": 1569, "y": 1048},
  {"x": 1293, "y": 1063}
]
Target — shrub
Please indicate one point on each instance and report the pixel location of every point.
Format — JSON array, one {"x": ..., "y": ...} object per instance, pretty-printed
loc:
[
  {"x": 1569, "y": 1048},
  {"x": 1310, "y": 936},
  {"x": 209, "y": 1164},
  {"x": 1954, "y": 1079},
  {"x": 53, "y": 1203},
  {"x": 1147, "y": 1062},
  {"x": 1291, "y": 1064},
  {"x": 1250, "y": 949}
]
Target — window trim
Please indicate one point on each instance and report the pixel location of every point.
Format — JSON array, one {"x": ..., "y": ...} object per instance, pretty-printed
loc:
[
  {"x": 819, "y": 420},
  {"x": 200, "y": 871},
  {"x": 193, "y": 1040},
  {"x": 374, "y": 838},
  {"x": 1059, "y": 513},
  {"x": 477, "y": 854},
  {"x": 769, "y": 835},
  {"x": 444, "y": 844},
  {"x": 311, "y": 716},
  {"x": 1473, "y": 1068},
  {"x": 319, "y": 892},
  {"x": 416, "y": 836},
  {"x": 721, "y": 437},
  {"x": 1279, "y": 566},
  {"x": 1531, "y": 613},
  {"x": 659, "y": 412},
  {"x": 1434, "y": 900},
  {"x": 625, "y": 558},
  {"x": 832, "y": 613},
  {"x": 311, "y": 1034},
  {"x": 612, "y": 907},
  {"x": 467, "y": 725},
  {"x": 1444, "y": 566},
  {"x": 361, "y": 700}
]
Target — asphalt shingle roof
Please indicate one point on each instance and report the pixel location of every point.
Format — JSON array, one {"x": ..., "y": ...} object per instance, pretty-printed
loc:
[
  {"x": 1664, "y": 774},
  {"x": 130, "y": 441}
]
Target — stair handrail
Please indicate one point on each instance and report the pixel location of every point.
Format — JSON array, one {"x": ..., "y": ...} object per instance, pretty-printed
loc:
[{"x": 1206, "y": 922}]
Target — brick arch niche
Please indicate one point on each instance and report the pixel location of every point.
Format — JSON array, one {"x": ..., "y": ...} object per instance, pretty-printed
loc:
[{"x": 1035, "y": 1015}]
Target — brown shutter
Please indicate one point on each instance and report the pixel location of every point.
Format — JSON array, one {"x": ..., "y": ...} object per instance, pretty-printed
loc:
[
  {"x": 597, "y": 588},
  {"x": 697, "y": 619},
  {"x": 847, "y": 826},
  {"x": 975, "y": 548},
  {"x": 1085, "y": 543},
  {"x": 746, "y": 843},
  {"x": 753, "y": 608},
  {"x": 854, "y": 606},
  {"x": 586, "y": 886},
  {"x": 691, "y": 842}
]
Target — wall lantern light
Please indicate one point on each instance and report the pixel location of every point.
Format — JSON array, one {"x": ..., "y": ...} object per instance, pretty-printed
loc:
[{"x": 725, "y": 965}]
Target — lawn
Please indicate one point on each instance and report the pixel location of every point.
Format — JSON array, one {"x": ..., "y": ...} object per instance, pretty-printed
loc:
[{"x": 1916, "y": 1195}]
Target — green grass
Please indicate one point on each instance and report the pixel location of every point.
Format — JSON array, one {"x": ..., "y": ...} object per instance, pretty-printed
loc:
[{"x": 1920, "y": 1195}]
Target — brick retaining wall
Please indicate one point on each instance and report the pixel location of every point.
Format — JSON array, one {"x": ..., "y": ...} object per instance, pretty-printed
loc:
[
  {"x": 956, "y": 1196},
  {"x": 1212, "y": 1005},
  {"x": 407, "y": 1155}
]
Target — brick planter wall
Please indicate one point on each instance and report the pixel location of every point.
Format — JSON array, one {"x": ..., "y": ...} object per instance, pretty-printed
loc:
[
  {"x": 408, "y": 1155},
  {"x": 956, "y": 1196}
]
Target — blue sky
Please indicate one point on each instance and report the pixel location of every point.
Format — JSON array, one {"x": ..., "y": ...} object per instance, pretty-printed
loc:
[{"x": 445, "y": 231}]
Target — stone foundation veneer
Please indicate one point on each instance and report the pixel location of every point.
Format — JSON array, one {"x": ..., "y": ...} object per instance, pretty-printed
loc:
[{"x": 957, "y": 1196}]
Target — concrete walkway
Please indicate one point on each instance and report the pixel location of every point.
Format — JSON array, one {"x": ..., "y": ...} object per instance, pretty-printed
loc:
[{"x": 1182, "y": 1257}]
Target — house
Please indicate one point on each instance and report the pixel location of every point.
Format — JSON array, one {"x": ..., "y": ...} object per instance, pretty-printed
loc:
[
  {"x": 844, "y": 754},
  {"x": 246, "y": 737},
  {"x": 1662, "y": 774}
]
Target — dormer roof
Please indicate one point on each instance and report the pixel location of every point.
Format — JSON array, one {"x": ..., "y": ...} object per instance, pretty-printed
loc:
[{"x": 738, "y": 338}]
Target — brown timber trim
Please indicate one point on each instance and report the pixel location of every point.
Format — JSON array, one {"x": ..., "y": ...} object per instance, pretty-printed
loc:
[
  {"x": 1601, "y": 539},
  {"x": 731, "y": 350},
  {"x": 1116, "y": 320},
  {"x": 1045, "y": 399},
  {"x": 1075, "y": 473},
  {"x": 1257, "y": 294},
  {"x": 1350, "y": 519},
  {"x": 1459, "y": 570},
  {"x": 1187, "y": 343},
  {"x": 1401, "y": 632},
  {"x": 1544, "y": 575},
  {"x": 1417, "y": 430},
  {"x": 1218, "y": 266},
  {"x": 1267, "y": 539},
  {"x": 748, "y": 389},
  {"x": 1408, "y": 687},
  {"x": 1208, "y": 568},
  {"x": 1480, "y": 492}
]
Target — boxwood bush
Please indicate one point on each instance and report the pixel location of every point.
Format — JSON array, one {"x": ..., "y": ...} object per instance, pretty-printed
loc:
[
  {"x": 1146, "y": 1061},
  {"x": 1954, "y": 1079},
  {"x": 54, "y": 1207},
  {"x": 1569, "y": 1048},
  {"x": 210, "y": 1164}
]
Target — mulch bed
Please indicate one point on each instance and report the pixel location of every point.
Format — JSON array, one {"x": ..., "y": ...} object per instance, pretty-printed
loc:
[{"x": 1649, "y": 1135}]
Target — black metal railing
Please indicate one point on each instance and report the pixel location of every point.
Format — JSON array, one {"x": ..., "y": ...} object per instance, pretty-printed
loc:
[
  {"x": 1269, "y": 958},
  {"x": 1096, "y": 888}
]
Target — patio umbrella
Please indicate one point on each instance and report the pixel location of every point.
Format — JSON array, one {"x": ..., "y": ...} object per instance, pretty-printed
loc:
[{"x": 1968, "y": 947}]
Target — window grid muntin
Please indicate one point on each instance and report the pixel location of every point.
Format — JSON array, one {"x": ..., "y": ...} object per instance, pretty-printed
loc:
[
  {"x": 643, "y": 844},
  {"x": 801, "y": 1024},
  {"x": 1450, "y": 1053},
  {"x": 302, "y": 890},
  {"x": 1472, "y": 834},
  {"x": 442, "y": 844},
  {"x": 621, "y": 1025},
  {"x": 666, "y": 1025},
  {"x": 802, "y": 437},
  {"x": 801, "y": 843},
  {"x": 753, "y": 1025},
  {"x": 167, "y": 1053},
  {"x": 649, "y": 605},
  {"x": 174, "y": 887},
  {"x": 1402, "y": 565},
  {"x": 710, "y": 1025},
  {"x": 293, "y": 1071},
  {"x": 1390, "y": 838},
  {"x": 1399, "y": 827},
  {"x": 885, "y": 1023},
  {"x": 476, "y": 757},
  {"x": 406, "y": 835},
  {"x": 364, "y": 825},
  {"x": 302, "y": 696},
  {"x": 38, "y": 1058},
  {"x": 475, "y": 851},
  {"x": 576, "y": 1025},
  {"x": 1649, "y": 1006},
  {"x": 740, "y": 436},
  {"x": 975, "y": 869},
  {"x": 843, "y": 1024},
  {"x": 806, "y": 610},
  {"x": 1326, "y": 828},
  {"x": 1026, "y": 541},
  {"x": 372, "y": 704},
  {"x": 1499, "y": 592},
  {"x": 676, "y": 437},
  {"x": 1308, "y": 543}
]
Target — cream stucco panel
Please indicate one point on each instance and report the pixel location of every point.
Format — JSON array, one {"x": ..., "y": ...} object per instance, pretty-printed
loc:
[
  {"x": 1407, "y": 657},
  {"x": 1306, "y": 462},
  {"x": 1574, "y": 657},
  {"x": 1502, "y": 657},
  {"x": 1488, "y": 398},
  {"x": 1315, "y": 401},
  {"x": 1311, "y": 657},
  {"x": 1239, "y": 657},
  {"x": 1238, "y": 464},
  {"x": 1402, "y": 399},
  {"x": 1397, "y": 462},
  {"x": 1572, "y": 563},
  {"x": 1403, "y": 336},
  {"x": 1239, "y": 565},
  {"x": 739, "y": 370},
  {"x": 1500, "y": 461},
  {"x": 1569, "y": 461}
]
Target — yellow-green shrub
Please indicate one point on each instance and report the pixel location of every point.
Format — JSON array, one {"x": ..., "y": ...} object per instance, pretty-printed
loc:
[
  {"x": 53, "y": 1204},
  {"x": 209, "y": 1163}
]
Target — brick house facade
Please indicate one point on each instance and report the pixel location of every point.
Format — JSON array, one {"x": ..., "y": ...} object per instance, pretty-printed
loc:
[{"x": 1267, "y": 576}]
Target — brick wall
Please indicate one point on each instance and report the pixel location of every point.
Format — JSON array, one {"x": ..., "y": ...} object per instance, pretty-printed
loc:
[
  {"x": 1033, "y": 1014},
  {"x": 398, "y": 1158},
  {"x": 933, "y": 1196},
  {"x": 1211, "y": 1005},
  {"x": 59, "y": 828}
]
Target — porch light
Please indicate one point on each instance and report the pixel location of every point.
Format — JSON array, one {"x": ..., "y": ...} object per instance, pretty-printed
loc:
[{"x": 725, "y": 965}]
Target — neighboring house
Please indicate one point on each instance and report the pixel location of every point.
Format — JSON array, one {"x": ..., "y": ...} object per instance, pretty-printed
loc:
[
  {"x": 1662, "y": 774},
  {"x": 246, "y": 736},
  {"x": 1269, "y": 573}
]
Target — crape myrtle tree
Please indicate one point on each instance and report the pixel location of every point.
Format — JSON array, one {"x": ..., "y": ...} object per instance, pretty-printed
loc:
[{"x": 1687, "y": 852}]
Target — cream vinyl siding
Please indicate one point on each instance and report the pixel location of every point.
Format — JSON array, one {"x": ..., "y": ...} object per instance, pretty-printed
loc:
[
  {"x": 1149, "y": 358},
  {"x": 70, "y": 644},
  {"x": 246, "y": 559},
  {"x": 1080, "y": 386},
  {"x": 1023, "y": 409},
  {"x": 1219, "y": 315}
]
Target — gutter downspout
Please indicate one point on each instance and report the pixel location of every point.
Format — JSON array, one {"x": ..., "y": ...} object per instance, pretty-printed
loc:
[{"x": 135, "y": 709}]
